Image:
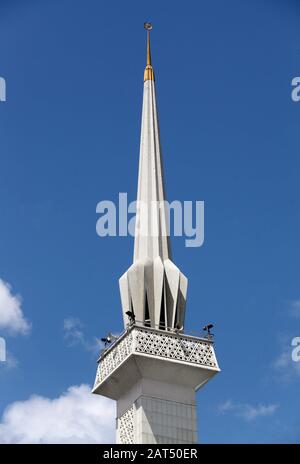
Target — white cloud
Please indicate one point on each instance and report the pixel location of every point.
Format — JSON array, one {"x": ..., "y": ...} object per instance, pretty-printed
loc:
[
  {"x": 246, "y": 410},
  {"x": 72, "y": 331},
  {"x": 11, "y": 314},
  {"x": 295, "y": 309},
  {"x": 282, "y": 361},
  {"x": 226, "y": 406},
  {"x": 77, "y": 416},
  {"x": 74, "y": 335},
  {"x": 286, "y": 368},
  {"x": 10, "y": 362}
]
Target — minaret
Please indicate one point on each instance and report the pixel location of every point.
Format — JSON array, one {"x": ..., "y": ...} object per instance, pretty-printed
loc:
[
  {"x": 153, "y": 287},
  {"x": 154, "y": 369}
]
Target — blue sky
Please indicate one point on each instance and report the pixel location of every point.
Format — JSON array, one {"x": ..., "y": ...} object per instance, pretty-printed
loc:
[{"x": 69, "y": 137}]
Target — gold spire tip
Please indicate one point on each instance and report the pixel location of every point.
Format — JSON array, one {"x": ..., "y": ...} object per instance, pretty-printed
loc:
[{"x": 149, "y": 73}]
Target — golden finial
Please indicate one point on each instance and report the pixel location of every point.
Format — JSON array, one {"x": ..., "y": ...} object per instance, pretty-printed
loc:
[{"x": 149, "y": 73}]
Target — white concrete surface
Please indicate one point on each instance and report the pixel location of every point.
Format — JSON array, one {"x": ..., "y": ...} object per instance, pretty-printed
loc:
[{"x": 153, "y": 287}]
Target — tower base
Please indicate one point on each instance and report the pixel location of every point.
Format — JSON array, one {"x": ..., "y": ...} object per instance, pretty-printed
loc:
[{"x": 153, "y": 375}]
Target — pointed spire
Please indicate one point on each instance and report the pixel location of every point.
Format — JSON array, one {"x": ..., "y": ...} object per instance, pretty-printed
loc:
[
  {"x": 151, "y": 234},
  {"x": 149, "y": 73},
  {"x": 153, "y": 288}
]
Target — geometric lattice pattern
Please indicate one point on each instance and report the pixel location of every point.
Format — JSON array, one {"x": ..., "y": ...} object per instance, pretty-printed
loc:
[
  {"x": 156, "y": 343},
  {"x": 180, "y": 348},
  {"x": 112, "y": 358},
  {"x": 126, "y": 427}
]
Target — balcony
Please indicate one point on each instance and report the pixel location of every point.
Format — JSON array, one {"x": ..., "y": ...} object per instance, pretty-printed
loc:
[{"x": 137, "y": 348}]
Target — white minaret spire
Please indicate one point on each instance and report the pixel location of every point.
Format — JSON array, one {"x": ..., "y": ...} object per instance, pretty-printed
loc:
[
  {"x": 153, "y": 369},
  {"x": 153, "y": 287},
  {"x": 151, "y": 238}
]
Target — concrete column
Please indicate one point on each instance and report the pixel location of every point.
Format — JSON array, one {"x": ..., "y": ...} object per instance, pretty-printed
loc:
[{"x": 154, "y": 412}]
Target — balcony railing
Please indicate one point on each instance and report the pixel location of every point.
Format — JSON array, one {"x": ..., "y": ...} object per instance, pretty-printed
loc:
[{"x": 158, "y": 343}]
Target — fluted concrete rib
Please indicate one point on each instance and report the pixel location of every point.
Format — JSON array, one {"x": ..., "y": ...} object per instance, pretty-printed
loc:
[
  {"x": 153, "y": 288},
  {"x": 151, "y": 237}
]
